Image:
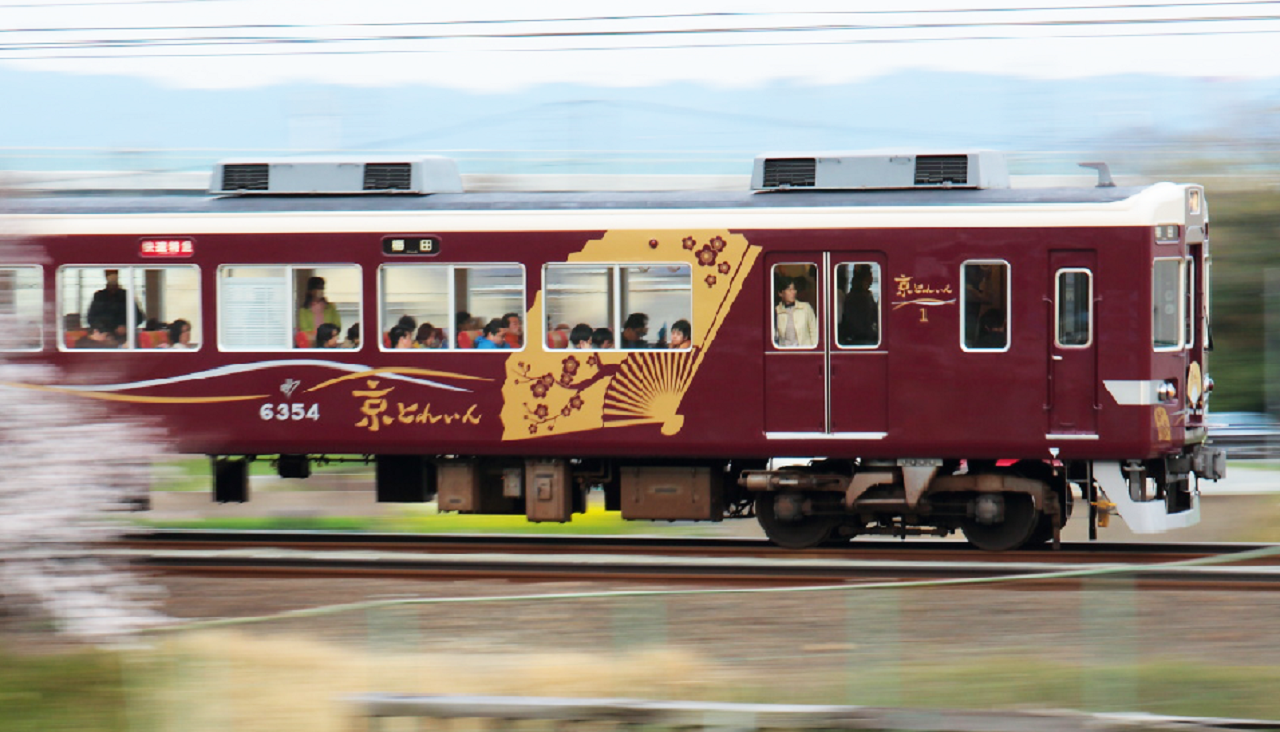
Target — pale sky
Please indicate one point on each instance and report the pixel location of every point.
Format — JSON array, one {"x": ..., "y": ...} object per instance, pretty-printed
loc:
[{"x": 363, "y": 43}]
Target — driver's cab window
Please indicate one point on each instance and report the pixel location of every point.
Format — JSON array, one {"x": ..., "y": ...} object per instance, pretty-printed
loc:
[{"x": 795, "y": 305}]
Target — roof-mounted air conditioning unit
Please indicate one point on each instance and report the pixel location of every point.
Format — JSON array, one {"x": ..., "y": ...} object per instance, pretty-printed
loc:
[
  {"x": 337, "y": 176},
  {"x": 864, "y": 171}
]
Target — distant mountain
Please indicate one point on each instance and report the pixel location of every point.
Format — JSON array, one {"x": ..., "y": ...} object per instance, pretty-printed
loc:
[{"x": 552, "y": 123}]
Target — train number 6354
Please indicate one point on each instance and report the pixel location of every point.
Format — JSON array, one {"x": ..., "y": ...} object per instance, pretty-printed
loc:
[{"x": 289, "y": 412}]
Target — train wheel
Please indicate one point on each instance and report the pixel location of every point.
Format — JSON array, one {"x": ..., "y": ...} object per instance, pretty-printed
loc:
[
  {"x": 1013, "y": 527},
  {"x": 780, "y": 517},
  {"x": 1042, "y": 534}
]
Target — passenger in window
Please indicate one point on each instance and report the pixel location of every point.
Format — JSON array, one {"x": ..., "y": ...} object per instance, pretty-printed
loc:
[
  {"x": 797, "y": 324},
  {"x": 109, "y": 307},
  {"x": 494, "y": 335},
  {"x": 580, "y": 336},
  {"x": 634, "y": 331},
  {"x": 179, "y": 334},
  {"x": 408, "y": 323},
  {"x": 353, "y": 337},
  {"x": 515, "y": 330},
  {"x": 428, "y": 336},
  {"x": 316, "y": 309},
  {"x": 859, "y": 321},
  {"x": 680, "y": 331},
  {"x": 99, "y": 336},
  {"x": 602, "y": 339},
  {"x": 991, "y": 329},
  {"x": 327, "y": 335},
  {"x": 400, "y": 337}
]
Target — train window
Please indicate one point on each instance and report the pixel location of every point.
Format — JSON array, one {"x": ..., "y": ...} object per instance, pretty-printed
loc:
[
  {"x": 268, "y": 308},
  {"x": 857, "y": 305},
  {"x": 795, "y": 305},
  {"x": 1189, "y": 313},
  {"x": 447, "y": 307},
  {"x": 100, "y": 306},
  {"x": 985, "y": 303},
  {"x": 21, "y": 308},
  {"x": 1166, "y": 304},
  {"x": 1074, "y": 295},
  {"x": 603, "y": 306},
  {"x": 656, "y": 295}
]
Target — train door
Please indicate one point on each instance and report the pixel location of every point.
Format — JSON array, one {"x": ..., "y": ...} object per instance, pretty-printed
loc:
[
  {"x": 1073, "y": 348},
  {"x": 795, "y": 359},
  {"x": 858, "y": 358}
]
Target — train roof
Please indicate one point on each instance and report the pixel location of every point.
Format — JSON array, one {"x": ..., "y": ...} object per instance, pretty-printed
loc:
[{"x": 559, "y": 201}]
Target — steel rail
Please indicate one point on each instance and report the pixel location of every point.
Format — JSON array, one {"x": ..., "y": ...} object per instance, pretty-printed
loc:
[
  {"x": 777, "y": 571},
  {"x": 861, "y": 549}
]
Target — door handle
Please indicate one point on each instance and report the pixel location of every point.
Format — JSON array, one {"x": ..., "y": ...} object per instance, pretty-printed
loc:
[{"x": 1056, "y": 357}]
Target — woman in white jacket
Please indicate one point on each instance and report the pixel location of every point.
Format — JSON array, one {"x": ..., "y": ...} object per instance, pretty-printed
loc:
[{"x": 797, "y": 324}]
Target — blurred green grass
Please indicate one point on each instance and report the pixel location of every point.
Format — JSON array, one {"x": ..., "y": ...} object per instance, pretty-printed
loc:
[{"x": 112, "y": 690}]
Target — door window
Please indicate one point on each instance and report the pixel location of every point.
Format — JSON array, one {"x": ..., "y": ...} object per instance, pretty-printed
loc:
[
  {"x": 857, "y": 305},
  {"x": 794, "y": 316},
  {"x": 1074, "y": 293}
]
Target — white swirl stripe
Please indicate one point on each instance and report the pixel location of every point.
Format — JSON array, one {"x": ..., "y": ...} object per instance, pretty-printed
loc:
[{"x": 245, "y": 368}]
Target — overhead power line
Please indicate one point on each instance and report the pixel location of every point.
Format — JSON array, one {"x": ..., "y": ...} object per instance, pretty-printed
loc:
[
  {"x": 232, "y": 45},
  {"x": 665, "y": 47},
  {"x": 719, "y": 14},
  {"x": 145, "y": 43},
  {"x": 613, "y": 18}
]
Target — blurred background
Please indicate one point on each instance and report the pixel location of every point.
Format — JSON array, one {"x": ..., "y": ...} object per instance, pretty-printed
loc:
[{"x": 116, "y": 96}]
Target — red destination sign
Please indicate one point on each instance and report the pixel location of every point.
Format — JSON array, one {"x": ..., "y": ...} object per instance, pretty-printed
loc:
[{"x": 166, "y": 247}]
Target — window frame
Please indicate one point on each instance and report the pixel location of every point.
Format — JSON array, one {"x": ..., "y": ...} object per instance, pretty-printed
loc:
[
  {"x": 40, "y": 313},
  {"x": 451, "y": 296},
  {"x": 838, "y": 312},
  {"x": 292, "y": 312},
  {"x": 130, "y": 312},
  {"x": 773, "y": 308},
  {"x": 1057, "y": 308},
  {"x": 1180, "y": 298},
  {"x": 616, "y": 318},
  {"x": 1189, "y": 302},
  {"x": 1008, "y": 303}
]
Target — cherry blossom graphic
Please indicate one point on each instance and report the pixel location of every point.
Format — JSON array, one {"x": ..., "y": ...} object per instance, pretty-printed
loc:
[
  {"x": 724, "y": 268},
  {"x": 690, "y": 243},
  {"x": 570, "y": 365},
  {"x": 717, "y": 243},
  {"x": 653, "y": 243},
  {"x": 711, "y": 280},
  {"x": 706, "y": 256}
]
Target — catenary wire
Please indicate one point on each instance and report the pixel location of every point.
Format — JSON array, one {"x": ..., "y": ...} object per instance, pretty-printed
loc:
[{"x": 823, "y": 28}]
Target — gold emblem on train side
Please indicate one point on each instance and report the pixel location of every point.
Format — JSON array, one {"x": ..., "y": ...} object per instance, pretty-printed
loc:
[
  {"x": 564, "y": 391},
  {"x": 909, "y": 291},
  {"x": 1164, "y": 431}
]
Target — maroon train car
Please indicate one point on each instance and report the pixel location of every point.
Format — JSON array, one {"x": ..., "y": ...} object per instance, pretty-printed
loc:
[{"x": 959, "y": 352}]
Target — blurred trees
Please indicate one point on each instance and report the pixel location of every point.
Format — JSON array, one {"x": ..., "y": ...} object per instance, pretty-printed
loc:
[
  {"x": 68, "y": 464},
  {"x": 1245, "y": 364}
]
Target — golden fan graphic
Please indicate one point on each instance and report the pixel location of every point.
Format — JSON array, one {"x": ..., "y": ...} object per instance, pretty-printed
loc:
[
  {"x": 649, "y": 388},
  {"x": 555, "y": 392}
]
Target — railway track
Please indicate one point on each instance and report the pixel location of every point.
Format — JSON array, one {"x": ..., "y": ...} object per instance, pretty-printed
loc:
[{"x": 722, "y": 562}]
